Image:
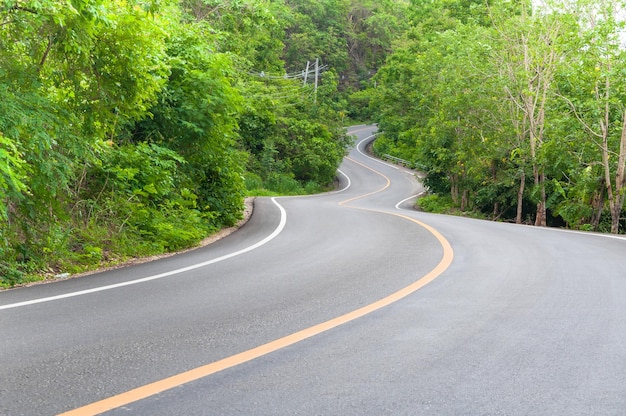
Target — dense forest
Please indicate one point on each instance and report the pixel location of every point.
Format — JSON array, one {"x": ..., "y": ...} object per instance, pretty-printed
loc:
[
  {"x": 515, "y": 110},
  {"x": 137, "y": 127}
]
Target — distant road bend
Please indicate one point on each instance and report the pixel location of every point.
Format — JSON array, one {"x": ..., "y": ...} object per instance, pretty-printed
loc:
[{"x": 349, "y": 303}]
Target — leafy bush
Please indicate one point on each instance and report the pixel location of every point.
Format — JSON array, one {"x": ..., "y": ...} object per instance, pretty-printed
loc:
[
  {"x": 136, "y": 203},
  {"x": 253, "y": 181},
  {"x": 283, "y": 183},
  {"x": 10, "y": 275},
  {"x": 436, "y": 204},
  {"x": 359, "y": 105}
]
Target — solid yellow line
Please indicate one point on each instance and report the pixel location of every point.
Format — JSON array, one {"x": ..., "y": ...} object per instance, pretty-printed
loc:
[
  {"x": 387, "y": 185},
  {"x": 204, "y": 371},
  {"x": 361, "y": 128},
  {"x": 157, "y": 387}
]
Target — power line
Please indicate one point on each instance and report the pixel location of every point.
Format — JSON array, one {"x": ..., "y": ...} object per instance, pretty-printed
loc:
[
  {"x": 317, "y": 74},
  {"x": 290, "y": 91},
  {"x": 293, "y": 75}
]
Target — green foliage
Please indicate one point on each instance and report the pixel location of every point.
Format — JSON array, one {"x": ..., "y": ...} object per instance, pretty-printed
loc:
[
  {"x": 143, "y": 172},
  {"x": 359, "y": 106},
  {"x": 508, "y": 109},
  {"x": 195, "y": 116},
  {"x": 292, "y": 134},
  {"x": 12, "y": 175},
  {"x": 317, "y": 30},
  {"x": 352, "y": 37},
  {"x": 252, "y": 30},
  {"x": 303, "y": 156},
  {"x": 436, "y": 204},
  {"x": 138, "y": 190},
  {"x": 127, "y": 127}
]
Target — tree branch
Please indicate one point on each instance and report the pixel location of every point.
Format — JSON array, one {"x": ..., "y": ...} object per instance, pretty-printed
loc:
[
  {"x": 573, "y": 107},
  {"x": 17, "y": 8}
]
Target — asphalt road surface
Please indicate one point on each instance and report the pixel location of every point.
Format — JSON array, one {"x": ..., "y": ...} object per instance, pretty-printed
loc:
[{"x": 347, "y": 303}]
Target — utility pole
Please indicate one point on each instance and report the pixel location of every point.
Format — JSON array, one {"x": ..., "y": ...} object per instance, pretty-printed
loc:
[
  {"x": 317, "y": 73},
  {"x": 306, "y": 72}
]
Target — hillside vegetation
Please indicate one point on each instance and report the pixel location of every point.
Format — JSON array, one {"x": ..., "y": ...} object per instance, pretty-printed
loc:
[
  {"x": 136, "y": 127},
  {"x": 515, "y": 110}
]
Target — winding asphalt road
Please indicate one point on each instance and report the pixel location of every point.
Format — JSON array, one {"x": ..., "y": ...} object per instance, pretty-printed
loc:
[{"x": 347, "y": 303}]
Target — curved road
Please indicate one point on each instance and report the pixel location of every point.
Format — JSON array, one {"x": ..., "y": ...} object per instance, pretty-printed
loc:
[{"x": 347, "y": 303}]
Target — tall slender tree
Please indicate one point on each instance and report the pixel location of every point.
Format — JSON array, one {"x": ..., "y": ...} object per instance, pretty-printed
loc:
[
  {"x": 529, "y": 53},
  {"x": 597, "y": 66}
]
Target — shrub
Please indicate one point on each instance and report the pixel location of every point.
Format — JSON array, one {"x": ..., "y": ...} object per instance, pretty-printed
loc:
[{"x": 436, "y": 204}]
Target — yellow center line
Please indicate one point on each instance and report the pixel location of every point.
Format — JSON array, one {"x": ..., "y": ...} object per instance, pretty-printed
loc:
[
  {"x": 157, "y": 387},
  {"x": 347, "y": 201},
  {"x": 361, "y": 128},
  {"x": 387, "y": 185}
]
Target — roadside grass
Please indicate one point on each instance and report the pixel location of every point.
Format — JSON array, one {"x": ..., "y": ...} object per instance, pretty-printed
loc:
[{"x": 438, "y": 204}]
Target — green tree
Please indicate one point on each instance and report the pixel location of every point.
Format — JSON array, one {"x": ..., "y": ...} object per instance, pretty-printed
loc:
[
  {"x": 196, "y": 116},
  {"x": 73, "y": 73},
  {"x": 529, "y": 52},
  {"x": 251, "y": 30},
  {"x": 317, "y": 30},
  {"x": 126, "y": 126},
  {"x": 593, "y": 88}
]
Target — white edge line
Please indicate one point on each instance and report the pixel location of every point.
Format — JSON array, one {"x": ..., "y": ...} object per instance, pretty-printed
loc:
[
  {"x": 372, "y": 158},
  {"x": 345, "y": 188},
  {"x": 349, "y": 182},
  {"x": 278, "y": 230},
  {"x": 406, "y": 199},
  {"x": 616, "y": 237},
  {"x": 549, "y": 229},
  {"x": 586, "y": 233}
]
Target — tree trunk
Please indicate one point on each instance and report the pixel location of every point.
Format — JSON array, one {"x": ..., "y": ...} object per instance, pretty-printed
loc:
[
  {"x": 454, "y": 189},
  {"x": 520, "y": 198},
  {"x": 597, "y": 203},
  {"x": 496, "y": 211},
  {"x": 541, "y": 217},
  {"x": 464, "y": 198},
  {"x": 617, "y": 202},
  {"x": 616, "y": 197},
  {"x": 615, "y": 215}
]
